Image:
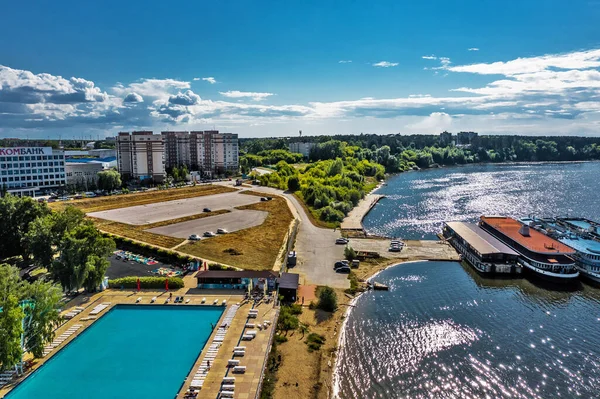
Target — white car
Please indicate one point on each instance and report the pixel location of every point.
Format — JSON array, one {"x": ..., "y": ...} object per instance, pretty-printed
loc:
[
  {"x": 209, "y": 234},
  {"x": 222, "y": 231},
  {"x": 194, "y": 237}
]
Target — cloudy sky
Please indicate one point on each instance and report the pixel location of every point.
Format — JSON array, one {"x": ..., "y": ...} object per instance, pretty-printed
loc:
[{"x": 272, "y": 68}]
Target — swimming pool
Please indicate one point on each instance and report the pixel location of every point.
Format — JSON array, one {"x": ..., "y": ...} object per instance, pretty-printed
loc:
[{"x": 131, "y": 352}]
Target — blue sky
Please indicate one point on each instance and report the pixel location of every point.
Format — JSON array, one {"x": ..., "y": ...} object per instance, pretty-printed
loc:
[{"x": 271, "y": 68}]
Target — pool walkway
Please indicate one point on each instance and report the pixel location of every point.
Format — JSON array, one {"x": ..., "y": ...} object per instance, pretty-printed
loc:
[
  {"x": 85, "y": 310},
  {"x": 354, "y": 219}
]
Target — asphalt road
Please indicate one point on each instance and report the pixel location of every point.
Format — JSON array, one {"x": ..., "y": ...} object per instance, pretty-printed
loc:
[
  {"x": 167, "y": 210},
  {"x": 315, "y": 248},
  {"x": 233, "y": 221}
]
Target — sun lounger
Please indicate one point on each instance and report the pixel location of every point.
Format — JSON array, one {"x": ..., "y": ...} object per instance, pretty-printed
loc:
[
  {"x": 249, "y": 325},
  {"x": 233, "y": 362},
  {"x": 227, "y": 387},
  {"x": 239, "y": 348},
  {"x": 247, "y": 337},
  {"x": 215, "y": 301},
  {"x": 239, "y": 353},
  {"x": 224, "y": 302},
  {"x": 229, "y": 380},
  {"x": 239, "y": 369},
  {"x": 226, "y": 394},
  {"x": 138, "y": 300},
  {"x": 187, "y": 300},
  {"x": 203, "y": 300},
  {"x": 153, "y": 299}
]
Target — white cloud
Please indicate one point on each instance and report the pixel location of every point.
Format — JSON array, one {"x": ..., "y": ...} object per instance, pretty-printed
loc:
[
  {"x": 344, "y": 61},
  {"x": 159, "y": 88},
  {"x": 575, "y": 60},
  {"x": 445, "y": 61},
  {"x": 473, "y": 49},
  {"x": 429, "y": 57},
  {"x": 245, "y": 94},
  {"x": 210, "y": 80},
  {"x": 385, "y": 64},
  {"x": 435, "y": 122},
  {"x": 133, "y": 98}
]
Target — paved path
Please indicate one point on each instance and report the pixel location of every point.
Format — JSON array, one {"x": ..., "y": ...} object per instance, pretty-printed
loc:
[
  {"x": 315, "y": 247},
  {"x": 354, "y": 219}
]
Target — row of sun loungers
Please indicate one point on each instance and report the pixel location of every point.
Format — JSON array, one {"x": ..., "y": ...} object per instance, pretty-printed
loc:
[
  {"x": 73, "y": 312},
  {"x": 61, "y": 338},
  {"x": 99, "y": 308},
  {"x": 213, "y": 349},
  {"x": 6, "y": 376}
]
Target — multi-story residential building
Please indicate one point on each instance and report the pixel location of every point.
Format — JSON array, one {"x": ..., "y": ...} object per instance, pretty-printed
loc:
[
  {"x": 140, "y": 155},
  {"x": 465, "y": 137},
  {"x": 301, "y": 148},
  {"x": 28, "y": 171},
  {"x": 177, "y": 148},
  {"x": 213, "y": 152}
]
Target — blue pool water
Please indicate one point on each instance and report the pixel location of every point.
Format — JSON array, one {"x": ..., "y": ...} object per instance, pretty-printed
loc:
[{"x": 131, "y": 352}]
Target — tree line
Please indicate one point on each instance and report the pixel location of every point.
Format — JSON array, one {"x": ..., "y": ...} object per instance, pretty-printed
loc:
[{"x": 66, "y": 244}]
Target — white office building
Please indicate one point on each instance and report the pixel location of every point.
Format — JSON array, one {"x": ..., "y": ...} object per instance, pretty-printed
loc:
[
  {"x": 83, "y": 174},
  {"x": 140, "y": 155},
  {"x": 29, "y": 171}
]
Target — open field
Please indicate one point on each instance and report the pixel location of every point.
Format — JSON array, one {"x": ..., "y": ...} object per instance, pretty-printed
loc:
[
  {"x": 254, "y": 248},
  {"x": 413, "y": 249},
  {"x": 126, "y": 200},
  {"x": 174, "y": 209},
  {"x": 139, "y": 233},
  {"x": 231, "y": 221}
]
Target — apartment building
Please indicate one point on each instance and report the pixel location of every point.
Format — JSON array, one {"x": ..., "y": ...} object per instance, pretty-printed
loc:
[
  {"x": 213, "y": 152},
  {"x": 28, "y": 171},
  {"x": 301, "y": 148},
  {"x": 177, "y": 148},
  {"x": 141, "y": 155}
]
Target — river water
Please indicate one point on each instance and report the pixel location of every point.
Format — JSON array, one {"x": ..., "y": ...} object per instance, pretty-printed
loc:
[
  {"x": 444, "y": 331},
  {"x": 417, "y": 203}
]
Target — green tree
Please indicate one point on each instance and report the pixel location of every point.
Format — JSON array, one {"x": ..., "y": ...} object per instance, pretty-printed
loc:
[
  {"x": 15, "y": 216},
  {"x": 349, "y": 252},
  {"x": 11, "y": 317},
  {"x": 293, "y": 184},
  {"x": 109, "y": 180},
  {"x": 327, "y": 299},
  {"x": 42, "y": 317}
]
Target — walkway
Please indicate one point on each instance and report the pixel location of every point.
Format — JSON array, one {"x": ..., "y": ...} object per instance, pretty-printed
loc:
[{"x": 354, "y": 219}]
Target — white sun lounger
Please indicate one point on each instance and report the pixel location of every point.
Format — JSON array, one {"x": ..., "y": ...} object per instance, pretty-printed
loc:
[
  {"x": 138, "y": 300},
  {"x": 153, "y": 299},
  {"x": 215, "y": 301}
]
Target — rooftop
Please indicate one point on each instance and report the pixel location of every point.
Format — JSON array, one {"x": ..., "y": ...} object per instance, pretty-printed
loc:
[
  {"x": 236, "y": 274},
  {"x": 289, "y": 280},
  {"x": 482, "y": 241},
  {"x": 535, "y": 242}
]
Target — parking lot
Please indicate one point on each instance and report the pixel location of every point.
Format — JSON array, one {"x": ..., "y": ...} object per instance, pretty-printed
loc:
[
  {"x": 232, "y": 221},
  {"x": 160, "y": 211}
]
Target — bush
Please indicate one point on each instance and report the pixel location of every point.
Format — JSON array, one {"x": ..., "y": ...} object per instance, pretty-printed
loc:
[
  {"x": 353, "y": 284},
  {"x": 280, "y": 339},
  {"x": 287, "y": 321},
  {"x": 327, "y": 299},
  {"x": 315, "y": 341},
  {"x": 146, "y": 282},
  {"x": 349, "y": 253},
  {"x": 295, "y": 309}
]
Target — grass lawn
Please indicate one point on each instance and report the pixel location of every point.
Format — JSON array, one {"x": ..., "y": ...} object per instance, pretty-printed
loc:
[
  {"x": 149, "y": 197},
  {"x": 139, "y": 233},
  {"x": 254, "y": 248}
]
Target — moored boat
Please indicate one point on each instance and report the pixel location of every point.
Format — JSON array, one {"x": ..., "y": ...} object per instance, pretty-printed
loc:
[
  {"x": 540, "y": 254},
  {"x": 480, "y": 249},
  {"x": 580, "y": 234}
]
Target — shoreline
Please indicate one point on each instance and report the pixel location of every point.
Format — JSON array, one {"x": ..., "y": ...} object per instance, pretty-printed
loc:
[{"x": 335, "y": 380}]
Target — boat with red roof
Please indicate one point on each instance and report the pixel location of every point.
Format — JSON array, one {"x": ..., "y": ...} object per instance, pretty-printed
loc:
[{"x": 538, "y": 253}]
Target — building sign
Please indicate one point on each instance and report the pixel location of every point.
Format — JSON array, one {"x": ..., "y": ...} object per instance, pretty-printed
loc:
[{"x": 19, "y": 151}]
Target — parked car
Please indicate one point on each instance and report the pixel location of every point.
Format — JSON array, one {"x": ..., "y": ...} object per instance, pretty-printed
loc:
[
  {"x": 207, "y": 210},
  {"x": 341, "y": 240},
  {"x": 395, "y": 248},
  {"x": 209, "y": 234},
  {"x": 222, "y": 231},
  {"x": 343, "y": 269},
  {"x": 355, "y": 263},
  {"x": 194, "y": 237},
  {"x": 396, "y": 242},
  {"x": 340, "y": 263},
  {"x": 263, "y": 198}
]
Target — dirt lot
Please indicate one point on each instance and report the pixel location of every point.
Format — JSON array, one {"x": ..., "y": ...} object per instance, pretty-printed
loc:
[
  {"x": 255, "y": 248},
  {"x": 413, "y": 250},
  {"x": 311, "y": 371},
  {"x": 149, "y": 197},
  {"x": 232, "y": 221},
  {"x": 169, "y": 210}
]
